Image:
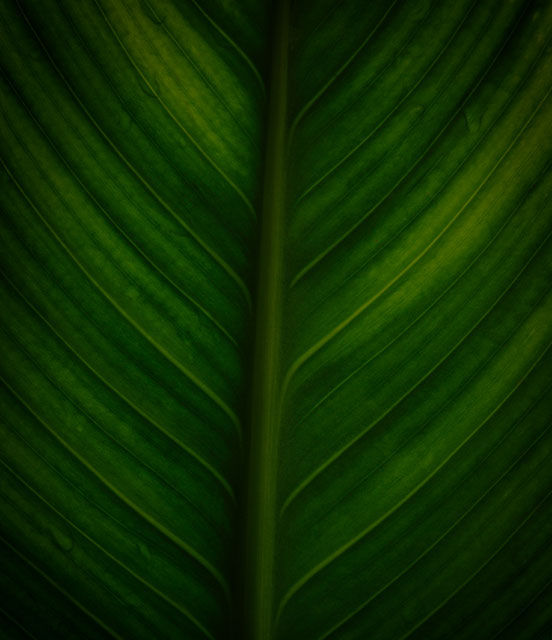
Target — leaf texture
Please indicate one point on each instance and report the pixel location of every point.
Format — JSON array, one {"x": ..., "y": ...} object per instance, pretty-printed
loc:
[
  {"x": 415, "y": 388},
  {"x": 276, "y": 319},
  {"x": 128, "y": 230}
]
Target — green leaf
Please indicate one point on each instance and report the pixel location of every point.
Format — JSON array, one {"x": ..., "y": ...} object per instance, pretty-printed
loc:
[{"x": 276, "y": 318}]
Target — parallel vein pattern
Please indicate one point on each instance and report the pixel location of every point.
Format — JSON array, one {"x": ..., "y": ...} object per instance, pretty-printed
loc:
[
  {"x": 128, "y": 234},
  {"x": 415, "y": 441},
  {"x": 367, "y": 188}
]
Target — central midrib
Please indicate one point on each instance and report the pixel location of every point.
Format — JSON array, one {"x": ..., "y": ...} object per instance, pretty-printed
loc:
[{"x": 265, "y": 399}]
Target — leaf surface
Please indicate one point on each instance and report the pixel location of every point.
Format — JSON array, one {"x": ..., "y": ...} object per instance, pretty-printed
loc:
[{"x": 276, "y": 319}]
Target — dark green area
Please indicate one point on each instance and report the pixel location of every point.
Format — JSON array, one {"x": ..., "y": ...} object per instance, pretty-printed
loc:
[{"x": 276, "y": 319}]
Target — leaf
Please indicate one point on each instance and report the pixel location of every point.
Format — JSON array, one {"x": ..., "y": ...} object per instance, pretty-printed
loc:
[{"x": 276, "y": 319}]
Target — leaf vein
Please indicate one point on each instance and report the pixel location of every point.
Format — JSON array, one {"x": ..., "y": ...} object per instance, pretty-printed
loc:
[
  {"x": 197, "y": 238},
  {"x": 178, "y": 123},
  {"x": 167, "y": 533},
  {"x": 177, "y": 606},
  {"x": 423, "y": 156},
  {"x": 59, "y": 588},
  {"x": 168, "y": 356},
  {"x": 303, "y": 485},
  {"x": 342, "y": 325},
  {"x": 377, "y": 523},
  {"x": 185, "y": 448}
]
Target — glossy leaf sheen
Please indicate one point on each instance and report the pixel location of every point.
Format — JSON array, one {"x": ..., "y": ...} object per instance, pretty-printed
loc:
[{"x": 276, "y": 319}]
